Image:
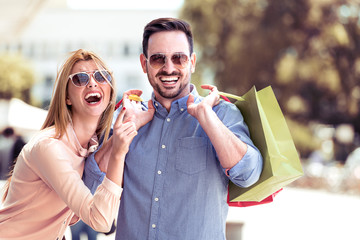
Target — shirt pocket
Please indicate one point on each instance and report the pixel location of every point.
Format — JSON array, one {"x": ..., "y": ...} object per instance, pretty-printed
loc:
[{"x": 191, "y": 154}]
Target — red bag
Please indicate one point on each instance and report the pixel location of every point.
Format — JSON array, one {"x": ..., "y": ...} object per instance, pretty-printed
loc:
[{"x": 269, "y": 199}]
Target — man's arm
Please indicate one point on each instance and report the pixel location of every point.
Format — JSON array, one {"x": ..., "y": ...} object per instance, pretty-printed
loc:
[
  {"x": 242, "y": 162},
  {"x": 92, "y": 176}
]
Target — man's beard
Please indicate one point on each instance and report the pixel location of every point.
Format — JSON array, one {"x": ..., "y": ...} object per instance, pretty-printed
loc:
[{"x": 167, "y": 94}]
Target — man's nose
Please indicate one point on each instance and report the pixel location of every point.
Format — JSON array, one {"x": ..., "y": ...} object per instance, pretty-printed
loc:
[{"x": 169, "y": 66}]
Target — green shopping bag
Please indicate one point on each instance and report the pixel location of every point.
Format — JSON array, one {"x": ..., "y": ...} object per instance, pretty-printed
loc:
[{"x": 270, "y": 134}]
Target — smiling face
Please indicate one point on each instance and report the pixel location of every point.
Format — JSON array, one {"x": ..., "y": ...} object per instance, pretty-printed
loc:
[
  {"x": 90, "y": 100},
  {"x": 169, "y": 82}
]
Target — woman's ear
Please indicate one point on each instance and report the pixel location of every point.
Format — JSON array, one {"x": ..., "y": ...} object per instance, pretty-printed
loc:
[{"x": 68, "y": 102}]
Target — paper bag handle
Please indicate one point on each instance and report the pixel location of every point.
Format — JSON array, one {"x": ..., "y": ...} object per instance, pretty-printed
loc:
[{"x": 228, "y": 95}]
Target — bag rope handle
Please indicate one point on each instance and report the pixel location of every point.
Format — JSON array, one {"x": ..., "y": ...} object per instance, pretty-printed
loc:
[{"x": 226, "y": 96}]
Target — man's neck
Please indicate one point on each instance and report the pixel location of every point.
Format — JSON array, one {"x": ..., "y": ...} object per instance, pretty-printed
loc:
[{"x": 166, "y": 102}]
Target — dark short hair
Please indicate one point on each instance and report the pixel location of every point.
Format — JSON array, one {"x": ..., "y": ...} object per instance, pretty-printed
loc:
[
  {"x": 167, "y": 24},
  {"x": 9, "y": 131}
]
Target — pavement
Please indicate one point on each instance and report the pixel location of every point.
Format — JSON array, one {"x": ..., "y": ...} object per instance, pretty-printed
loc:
[
  {"x": 299, "y": 214},
  {"x": 295, "y": 214}
]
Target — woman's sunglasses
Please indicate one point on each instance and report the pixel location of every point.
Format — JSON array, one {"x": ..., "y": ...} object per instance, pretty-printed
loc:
[
  {"x": 81, "y": 79},
  {"x": 158, "y": 60}
]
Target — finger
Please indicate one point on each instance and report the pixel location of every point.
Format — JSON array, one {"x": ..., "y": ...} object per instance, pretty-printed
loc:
[
  {"x": 126, "y": 101},
  {"x": 207, "y": 86},
  {"x": 151, "y": 105},
  {"x": 133, "y": 91},
  {"x": 120, "y": 118},
  {"x": 213, "y": 89},
  {"x": 129, "y": 128}
]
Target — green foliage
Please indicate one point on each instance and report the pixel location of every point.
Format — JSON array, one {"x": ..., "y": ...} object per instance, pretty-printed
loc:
[
  {"x": 308, "y": 51},
  {"x": 16, "y": 77}
]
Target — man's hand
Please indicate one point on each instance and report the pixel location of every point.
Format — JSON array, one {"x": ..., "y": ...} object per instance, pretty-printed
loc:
[
  {"x": 208, "y": 102},
  {"x": 134, "y": 110}
]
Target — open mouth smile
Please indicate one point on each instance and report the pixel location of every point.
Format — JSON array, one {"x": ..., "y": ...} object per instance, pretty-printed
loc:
[
  {"x": 93, "y": 97},
  {"x": 169, "y": 80}
]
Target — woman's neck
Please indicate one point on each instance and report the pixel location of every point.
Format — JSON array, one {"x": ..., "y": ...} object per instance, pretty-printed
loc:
[{"x": 84, "y": 130}]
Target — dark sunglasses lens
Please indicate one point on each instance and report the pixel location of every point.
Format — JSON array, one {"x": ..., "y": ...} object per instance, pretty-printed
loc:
[
  {"x": 157, "y": 60},
  {"x": 180, "y": 60},
  {"x": 80, "y": 79},
  {"x": 102, "y": 76}
]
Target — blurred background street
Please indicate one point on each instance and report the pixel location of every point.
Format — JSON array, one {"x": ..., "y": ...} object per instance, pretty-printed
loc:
[{"x": 308, "y": 51}]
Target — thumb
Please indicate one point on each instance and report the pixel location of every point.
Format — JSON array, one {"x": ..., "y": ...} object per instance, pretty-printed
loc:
[
  {"x": 151, "y": 106},
  {"x": 190, "y": 100}
]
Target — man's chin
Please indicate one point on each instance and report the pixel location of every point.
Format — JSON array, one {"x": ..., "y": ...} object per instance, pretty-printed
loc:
[{"x": 168, "y": 92}]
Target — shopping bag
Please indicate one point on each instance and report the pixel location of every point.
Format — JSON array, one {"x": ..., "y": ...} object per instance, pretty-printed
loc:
[
  {"x": 268, "y": 199},
  {"x": 270, "y": 134}
]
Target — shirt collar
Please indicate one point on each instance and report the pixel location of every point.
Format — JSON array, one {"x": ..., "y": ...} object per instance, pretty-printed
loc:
[
  {"x": 83, "y": 152},
  {"x": 178, "y": 104}
]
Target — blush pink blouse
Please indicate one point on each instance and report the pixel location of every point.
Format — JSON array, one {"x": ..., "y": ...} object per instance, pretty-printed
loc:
[{"x": 47, "y": 193}]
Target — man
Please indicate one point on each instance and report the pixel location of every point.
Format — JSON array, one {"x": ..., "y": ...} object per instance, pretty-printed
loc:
[{"x": 179, "y": 165}]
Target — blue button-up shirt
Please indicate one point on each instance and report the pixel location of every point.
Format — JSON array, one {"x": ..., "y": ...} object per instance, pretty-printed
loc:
[{"x": 174, "y": 185}]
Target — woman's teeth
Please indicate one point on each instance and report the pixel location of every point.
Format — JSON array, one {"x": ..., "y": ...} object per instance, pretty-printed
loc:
[{"x": 93, "y": 98}]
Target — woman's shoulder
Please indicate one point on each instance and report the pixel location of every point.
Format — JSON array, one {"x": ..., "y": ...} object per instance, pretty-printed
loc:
[{"x": 44, "y": 138}]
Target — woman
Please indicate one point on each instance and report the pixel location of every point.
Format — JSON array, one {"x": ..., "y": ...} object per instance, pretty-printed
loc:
[{"x": 46, "y": 192}]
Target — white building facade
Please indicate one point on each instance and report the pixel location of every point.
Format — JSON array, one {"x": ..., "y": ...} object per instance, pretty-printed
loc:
[{"x": 57, "y": 29}]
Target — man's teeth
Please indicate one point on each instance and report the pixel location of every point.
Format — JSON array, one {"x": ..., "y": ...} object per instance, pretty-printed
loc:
[{"x": 169, "y": 79}]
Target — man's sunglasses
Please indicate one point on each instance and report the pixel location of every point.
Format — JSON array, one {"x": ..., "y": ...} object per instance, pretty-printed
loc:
[
  {"x": 81, "y": 79},
  {"x": 158, "y": 60}
]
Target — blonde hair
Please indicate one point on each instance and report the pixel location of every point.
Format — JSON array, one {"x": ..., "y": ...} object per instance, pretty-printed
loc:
[{"x": 59, "y": 113}]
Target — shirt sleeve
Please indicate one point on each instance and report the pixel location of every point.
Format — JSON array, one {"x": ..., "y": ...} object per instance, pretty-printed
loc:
[
  {"x": 247, "y": 171},
  {"x": 53, "y": 162},
  {"x": 92, "y": 176}
]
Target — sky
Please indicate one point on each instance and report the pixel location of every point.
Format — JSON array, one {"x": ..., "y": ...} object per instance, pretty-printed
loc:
[{"x": 126, "y": 4}]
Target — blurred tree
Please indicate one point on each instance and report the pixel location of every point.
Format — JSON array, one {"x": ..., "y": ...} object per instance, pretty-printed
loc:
[
  {"x": 16, "y": 77},
  {"x": 309, "y": 51}
]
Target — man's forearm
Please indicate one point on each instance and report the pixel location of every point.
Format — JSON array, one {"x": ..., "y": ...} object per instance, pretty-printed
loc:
[{"x": 229, "y": 148}]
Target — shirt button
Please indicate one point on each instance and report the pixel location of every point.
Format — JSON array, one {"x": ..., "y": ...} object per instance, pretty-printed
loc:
[
  {"x": 163, "y": 146},
  {"x": 159, "y": 172},
  {"x": 153, "y": 226},
  {"x": 156, "y": 104},
  {"x": 168, "y": 119},
  {"x": 156, "y": 199}
]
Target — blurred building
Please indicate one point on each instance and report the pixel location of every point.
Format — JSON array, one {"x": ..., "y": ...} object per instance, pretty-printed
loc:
[{"x": 45, "y": 31}]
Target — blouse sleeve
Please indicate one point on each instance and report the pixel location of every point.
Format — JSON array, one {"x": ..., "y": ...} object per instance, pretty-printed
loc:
[{"x": 53, "y": 162}]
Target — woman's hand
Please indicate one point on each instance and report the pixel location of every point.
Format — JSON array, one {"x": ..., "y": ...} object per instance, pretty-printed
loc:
[
  {"x": 124, "y": 132},
  {"x": 134, "y": 111}
]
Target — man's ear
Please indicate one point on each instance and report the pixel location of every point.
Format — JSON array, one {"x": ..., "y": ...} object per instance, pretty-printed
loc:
[
  {"x": 143, "y": 62},
  {"x": 193, "y": 62}
]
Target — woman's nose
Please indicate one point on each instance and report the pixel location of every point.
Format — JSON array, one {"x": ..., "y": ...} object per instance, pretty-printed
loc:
[{"x": 92, "y": 82}]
